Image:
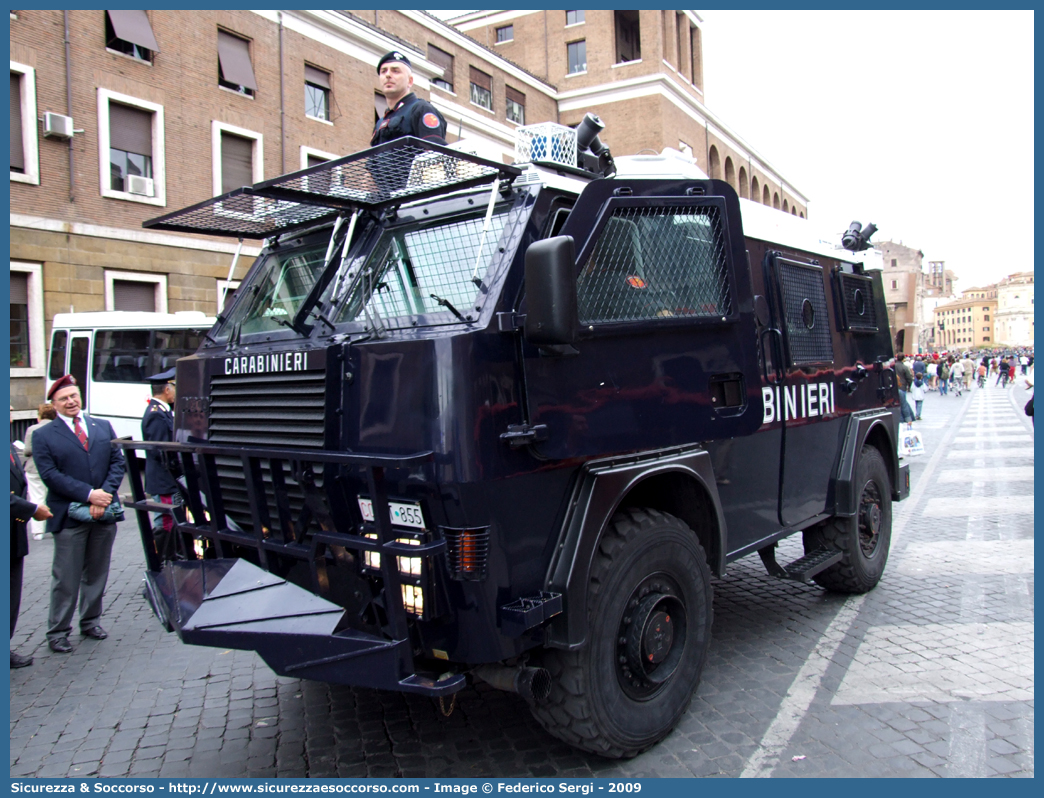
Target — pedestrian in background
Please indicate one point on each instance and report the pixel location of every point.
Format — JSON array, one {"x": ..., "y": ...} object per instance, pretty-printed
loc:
[
  {"x": 904, "y": 379},
  {"x": 956, "y": 376},
  {"x": 45, "y": 414},
  {"x": 944, "y": 377},
  {"x": 917, "y": 394},
  {"x": 22, "y": 510},
  {"x": 968, "y": 369},
  {"x": 1029, "y": 404},
  {"x": 933, "y": 376}
]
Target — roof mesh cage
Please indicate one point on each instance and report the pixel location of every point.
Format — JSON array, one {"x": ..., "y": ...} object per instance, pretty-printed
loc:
[{"x": 403, "y": 170}]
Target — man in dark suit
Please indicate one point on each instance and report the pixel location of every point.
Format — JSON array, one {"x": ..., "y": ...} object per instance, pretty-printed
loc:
[
  {"x": 158, "y": 425},
  {"x": 78, "y": 463},
  {"x": 21, "y": 511}
]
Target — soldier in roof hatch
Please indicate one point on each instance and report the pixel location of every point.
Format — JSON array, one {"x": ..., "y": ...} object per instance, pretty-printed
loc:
[{"x": 407, "y": 114}]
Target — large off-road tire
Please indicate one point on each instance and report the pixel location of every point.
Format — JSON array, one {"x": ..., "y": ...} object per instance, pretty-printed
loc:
[
  {"x": 865, "y": 537},
  {"x": 649, "y": 623}
]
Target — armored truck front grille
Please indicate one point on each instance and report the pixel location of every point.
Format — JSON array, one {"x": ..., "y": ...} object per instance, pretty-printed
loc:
[
  {"x": 270, "y": 410},
  {"x": 277, "y": 410}
]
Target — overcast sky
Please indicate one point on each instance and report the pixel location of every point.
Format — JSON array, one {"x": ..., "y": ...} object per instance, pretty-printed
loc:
[{"x": 921, "y": 122}]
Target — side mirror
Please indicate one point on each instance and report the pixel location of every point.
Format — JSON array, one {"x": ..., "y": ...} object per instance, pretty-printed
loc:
[{"x": 551, "y": 312}]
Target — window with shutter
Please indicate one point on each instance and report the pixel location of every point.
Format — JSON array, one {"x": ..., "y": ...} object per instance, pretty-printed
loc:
[
  {"x": 130, "y": 144},
  {"x": 237, "y": 162},
  {"x": 317, "y": 93},
  {"x": 481, "y": 89},
  {"x": 19, "y": 320},
  {"x": 133, "y": 295},
  {"x": 17, "y": 148},
  {"x": 515, "y": 102},
  {"x": 576, "y": 55},
  {"x": 235, "y": 70},
  {"x": 130, "y": 33},
  {"x": 445, "y": 60}
]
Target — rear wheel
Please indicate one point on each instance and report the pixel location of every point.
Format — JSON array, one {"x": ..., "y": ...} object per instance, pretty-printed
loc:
[
  {"x": 649, "y": 611},
  {"x": 864, "y": 538}
]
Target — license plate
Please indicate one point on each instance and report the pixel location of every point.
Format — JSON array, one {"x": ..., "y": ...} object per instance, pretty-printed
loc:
[{"x": 402, "y": 513}]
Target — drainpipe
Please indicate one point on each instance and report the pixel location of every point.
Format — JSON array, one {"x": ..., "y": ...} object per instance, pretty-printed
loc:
[
  {"x": 547, "y": 64},
  {"x": 69, "y": 106},
  {"x": 282, "y": 102}
]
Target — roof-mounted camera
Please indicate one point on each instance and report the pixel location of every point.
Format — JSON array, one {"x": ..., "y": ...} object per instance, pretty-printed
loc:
[{"x": 856, "y": 239}]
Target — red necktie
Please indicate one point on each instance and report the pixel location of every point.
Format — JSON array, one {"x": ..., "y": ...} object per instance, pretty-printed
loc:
[{"x": 79, "y": 432}]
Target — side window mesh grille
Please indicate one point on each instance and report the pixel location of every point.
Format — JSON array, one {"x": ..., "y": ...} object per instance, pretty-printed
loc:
[
  {"x": 805, "y": 311},
  {"x": 857, "y": 293},
  {"x": 656, "y": 263}
]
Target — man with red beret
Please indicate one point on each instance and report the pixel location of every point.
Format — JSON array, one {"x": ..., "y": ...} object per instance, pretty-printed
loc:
[{"x": 79, "y": 465}]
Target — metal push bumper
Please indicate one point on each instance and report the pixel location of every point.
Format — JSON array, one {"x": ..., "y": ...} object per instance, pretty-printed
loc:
[{"x": 231, "y": 603}]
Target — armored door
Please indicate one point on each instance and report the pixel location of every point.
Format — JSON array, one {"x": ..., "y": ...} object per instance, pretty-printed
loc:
[
  {"x": 804, "y": 402},
  {"x": 666, "y": 353}
]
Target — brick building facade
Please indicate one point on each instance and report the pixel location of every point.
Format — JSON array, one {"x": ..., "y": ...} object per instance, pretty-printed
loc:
[
  {"x": 170, "y": 108},
  {"x": 642, "y": 73},
  {"x": 904, "y": 289}
]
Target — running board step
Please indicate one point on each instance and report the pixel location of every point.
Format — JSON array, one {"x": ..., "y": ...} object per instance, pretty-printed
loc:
[{"x": 801, "y": 570}]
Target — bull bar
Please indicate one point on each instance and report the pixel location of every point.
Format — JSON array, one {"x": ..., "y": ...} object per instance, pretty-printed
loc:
[{"x": 229, "y": 602}]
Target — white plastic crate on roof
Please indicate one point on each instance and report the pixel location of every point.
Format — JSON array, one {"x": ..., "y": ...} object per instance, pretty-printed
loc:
[{"x": 545, "y": 142}]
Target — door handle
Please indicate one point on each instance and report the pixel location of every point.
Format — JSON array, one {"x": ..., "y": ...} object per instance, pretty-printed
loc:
[{"x": 777, "y": 356}]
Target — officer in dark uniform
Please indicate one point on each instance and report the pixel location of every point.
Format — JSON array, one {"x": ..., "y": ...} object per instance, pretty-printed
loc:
[
  {"x": 160, "y": 484},
  {"x": 21, "y": 511},
  {"x": 407, "y": 114}
]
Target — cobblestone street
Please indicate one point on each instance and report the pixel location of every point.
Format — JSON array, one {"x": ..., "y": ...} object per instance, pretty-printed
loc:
[{"x": 931, "y": 674}]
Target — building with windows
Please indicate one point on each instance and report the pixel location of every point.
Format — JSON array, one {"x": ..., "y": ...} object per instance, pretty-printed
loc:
[
  {"x": 903, "y": 277},
  {"x": 1014, "y": 323},
  {"x": 122, "y": 116},
  {"x": 992, "y": 316},
  {"x": 642, "y": 73},
  {"x": 965, "y": 323}
]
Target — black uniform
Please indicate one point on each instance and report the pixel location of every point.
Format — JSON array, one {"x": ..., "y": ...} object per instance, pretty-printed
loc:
[
  {"x": 411, "y": 116},
  {"x": 158, "y": 425},
  {"x": 21, "y": 511}
]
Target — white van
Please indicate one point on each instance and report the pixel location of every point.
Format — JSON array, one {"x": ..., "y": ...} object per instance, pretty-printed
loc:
[{"x": 112, "y": 354}]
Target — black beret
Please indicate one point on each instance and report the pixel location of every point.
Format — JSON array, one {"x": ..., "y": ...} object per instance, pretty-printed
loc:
[
  {"x": 394, "y": 55},
  {"x": 163, "y": 376}
]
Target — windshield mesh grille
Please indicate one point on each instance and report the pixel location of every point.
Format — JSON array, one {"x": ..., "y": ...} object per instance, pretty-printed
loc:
[
  {"x": 656, "y": 263},
  {"x": 400, "y": 171},
  {"x": 426, "y": 270}
]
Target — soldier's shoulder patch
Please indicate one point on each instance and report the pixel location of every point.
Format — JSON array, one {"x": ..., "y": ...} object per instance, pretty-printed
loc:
[{"x": 430, "y": 120}]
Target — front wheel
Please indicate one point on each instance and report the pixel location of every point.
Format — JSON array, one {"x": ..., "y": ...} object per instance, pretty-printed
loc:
[
  {"x": 649, "y": 623},
  {"x": 864, "y": 538}
]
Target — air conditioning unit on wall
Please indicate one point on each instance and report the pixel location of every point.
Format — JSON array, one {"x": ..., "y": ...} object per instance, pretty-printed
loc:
[
  {"x": 57, "y": 126},
  {"x": 136, "y": 184}
]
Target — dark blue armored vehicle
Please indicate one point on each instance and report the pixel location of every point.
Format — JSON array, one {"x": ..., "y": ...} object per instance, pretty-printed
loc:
[{"x": 465, "y": 419}]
